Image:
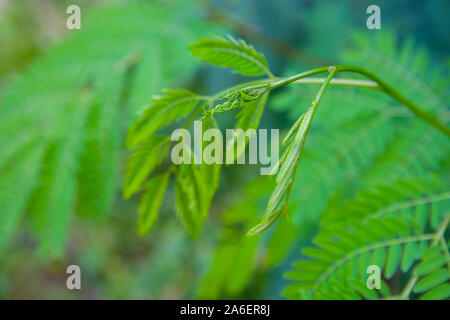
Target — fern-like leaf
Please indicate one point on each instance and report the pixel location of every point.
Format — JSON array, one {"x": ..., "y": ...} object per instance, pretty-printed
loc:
[
  {"x": 360, "y": 137},
  {"x": 391, "y": 228},
  {"x": 151, "y": 202},
  {"x": 142, "y": 162},
  {"x": 195, "y": 187},
  {"x": 55, "y": 195},
  {"x": 189, "y": 199},
  {"x": 231, "y": 53},
  {"x": 78, "y": 171},
  {"x": 288, "y": 165},
  {"x": 163, "y": 110}
]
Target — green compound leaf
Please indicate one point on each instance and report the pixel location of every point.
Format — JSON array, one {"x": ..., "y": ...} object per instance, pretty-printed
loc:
[
  {"x": 142, "y": 161},
  {"x": 432, "y": 280},
  {"x": 289, "y": 161},
  {"x": 162, "y": 111},
  {"x": 189, "y": 198},
  {"x": 430, "y": 265},
  {"x": 231, "y": 53},
  {"x": 441, "y": 292},
  {"x": 151, "y": 202},
  {"x": 377, "y": 232}
]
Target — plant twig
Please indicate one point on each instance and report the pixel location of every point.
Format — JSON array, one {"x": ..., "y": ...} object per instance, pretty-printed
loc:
[
  {"x": 376, "y": 83},
  {"x": 341, "y": 82},
  {"x": 397, "y": 96}
]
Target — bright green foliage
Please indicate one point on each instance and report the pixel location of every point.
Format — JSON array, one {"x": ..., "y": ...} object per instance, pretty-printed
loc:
[
  {"x": 391, "y": 227},
  {"x": 288, "y": 165},
  {"x": 416, "y": 148},
  {"x": 231, "y": 53},
  {"x": 163, "y": 110},
  {"x": 52, "y": 199},
  {"x": 195, "y": 185},
  {"x": 250, "y": 98},
  {"x": 194, "y": 194},
  {"x": 359, "y": 139},
  {"x": 143, "y": 160},
  {"x": 23, "y": 177},
  {"x": 373, "y": 178},
  {"x": 63, "y": 119},
  {"x": 248, "y": 118},
  {"x": 151, "y": 202},
  {"x": 368, "y": 142}
]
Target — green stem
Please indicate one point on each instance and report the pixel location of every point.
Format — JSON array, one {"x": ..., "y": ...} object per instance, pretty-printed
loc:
[
  {"x": 377, "y": 84},
  {"x": 289, "y": 80},
  {"x": 341, "y": 82},
  {"x": 336, "y": 82},
  {"x": 397, "y": 96}
]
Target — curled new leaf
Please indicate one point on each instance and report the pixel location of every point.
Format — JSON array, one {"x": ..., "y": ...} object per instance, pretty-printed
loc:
[
  {"x": 240, "y": 98},
  {"x": 289, "y": 161}
]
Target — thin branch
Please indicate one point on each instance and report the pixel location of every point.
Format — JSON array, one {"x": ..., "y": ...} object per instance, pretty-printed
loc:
[
  {"x": 397, "y": 96},
  {"x": 341, "y": 82},
  {"x": 381, "y": 85}
]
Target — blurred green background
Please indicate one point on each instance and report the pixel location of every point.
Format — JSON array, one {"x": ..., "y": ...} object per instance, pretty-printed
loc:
[{"x": 125, "y": 52}]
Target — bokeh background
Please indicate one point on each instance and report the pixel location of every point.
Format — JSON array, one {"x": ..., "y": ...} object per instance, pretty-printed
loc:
[{"x": 125, "y": 52}]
